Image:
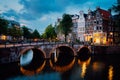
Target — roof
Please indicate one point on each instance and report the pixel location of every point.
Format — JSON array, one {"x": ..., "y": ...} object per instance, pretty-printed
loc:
[{"x": 105, "y": 14}]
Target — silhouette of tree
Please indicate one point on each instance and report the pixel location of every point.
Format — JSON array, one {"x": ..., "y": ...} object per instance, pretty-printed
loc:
[
  {"x": 35, "y": 34},
  {"x": 3, "y": 26},
  {"x": 27, "y": 32},
  {"x": 50, "y": 32},
  {"x": 66, "y": 25}
]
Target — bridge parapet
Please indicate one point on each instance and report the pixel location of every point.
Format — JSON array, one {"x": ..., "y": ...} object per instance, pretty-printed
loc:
[{"x": 46, "y": 48}]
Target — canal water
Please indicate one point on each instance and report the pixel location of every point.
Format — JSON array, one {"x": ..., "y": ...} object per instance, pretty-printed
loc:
[{"x": 94, "y": 67}]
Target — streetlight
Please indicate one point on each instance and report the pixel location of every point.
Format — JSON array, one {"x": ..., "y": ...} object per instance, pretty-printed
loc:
[{"x": 111, "y": 37}]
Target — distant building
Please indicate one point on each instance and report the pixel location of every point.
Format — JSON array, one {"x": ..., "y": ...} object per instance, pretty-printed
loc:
[
  {"x": 115, "y": 31},
  {"x": 74, "y": 32},
  {"x": 97, "y": 24},
  {"x": 11, "y": 23},
  {"x": 78, "y": 29},
  {"x": 81, "y": 26},
  {"x": 96, "y": 27}
]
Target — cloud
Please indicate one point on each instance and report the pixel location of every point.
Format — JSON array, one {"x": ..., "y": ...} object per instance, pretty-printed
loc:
[
  {"x": 11, "y": 13},
  {"x": 38, "y": 8},
  {"x": 5, "y": 5},
  {"x": 40, "y": 13}
]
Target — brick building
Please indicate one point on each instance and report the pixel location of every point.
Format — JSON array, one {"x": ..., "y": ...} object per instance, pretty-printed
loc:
[{"x": 97, "y": 24}]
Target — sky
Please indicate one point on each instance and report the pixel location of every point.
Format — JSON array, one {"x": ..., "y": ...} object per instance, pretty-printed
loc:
[{"x": 38, "y": 14}]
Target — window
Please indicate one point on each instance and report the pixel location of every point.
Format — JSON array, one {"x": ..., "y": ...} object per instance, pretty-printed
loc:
[
  {"x": 97, "y": 22},
  {"x": 97, "y": 28},
  {"x": 100, "y": 28},
  {"x": 94, "y": 27}
]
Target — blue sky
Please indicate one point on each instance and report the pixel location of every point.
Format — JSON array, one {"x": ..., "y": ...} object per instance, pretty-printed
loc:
[{"x": 38, "y": 14}]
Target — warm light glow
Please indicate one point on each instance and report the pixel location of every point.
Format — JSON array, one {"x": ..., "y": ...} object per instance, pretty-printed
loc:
[
  {"x": 104, "y": 40},
  {"x": 3, "y": 37},
  {"x": 110, "y": 73},
  {"x": 111, "y": 33},
  {"x": 62, "y": 68},
  {"x": 97, "y": 66},
  {"x": 99, "y": 38},
  {"x": 87, "y": 37},
  {"x": 29, "y": 72},
  {"x": 35, "y": 39},
  {"x": 84, "y": 65}
]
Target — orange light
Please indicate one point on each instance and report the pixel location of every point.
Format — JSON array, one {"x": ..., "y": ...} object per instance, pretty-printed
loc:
[
  {"x": 110, "y": 73},
  {"x": 62, "y": 68},
  {"x": 3, "y": 37},
  {"x": 32, "y": 72},
  {"x": 84, "y": 65},
  {"x": 111, "y": 33}
]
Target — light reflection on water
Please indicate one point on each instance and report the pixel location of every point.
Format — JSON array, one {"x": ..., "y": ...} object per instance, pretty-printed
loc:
[
  {"x": 94, "y": 68},
  {"x": 110, "y": 73}
]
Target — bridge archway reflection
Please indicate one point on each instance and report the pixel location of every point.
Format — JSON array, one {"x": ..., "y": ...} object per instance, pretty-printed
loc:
[
  {"x": 32, "y": 65},
  {"x": 84, "y": 65},
  {"x": 83, "y": 53},
  {"x": 62, "y": 58}
]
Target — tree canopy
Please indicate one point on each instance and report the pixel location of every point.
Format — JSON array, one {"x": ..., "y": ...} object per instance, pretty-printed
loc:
[
  {"x": 27, "y": 32},
  {"x": 3, "y": 26},
  {"x": 50, "y": 32},
  {"x": 15, "y": 32},
  {"x": 65, "y": 25},
  {"x": 116, "y": 9},
  {"x": 35, "y": 34}
]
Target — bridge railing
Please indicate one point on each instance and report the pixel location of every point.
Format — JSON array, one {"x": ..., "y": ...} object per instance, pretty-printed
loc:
[{"x": 30, "y": 44}]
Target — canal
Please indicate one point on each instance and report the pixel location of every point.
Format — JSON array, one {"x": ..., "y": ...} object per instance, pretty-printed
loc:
[{"x": 94, "y": 67}]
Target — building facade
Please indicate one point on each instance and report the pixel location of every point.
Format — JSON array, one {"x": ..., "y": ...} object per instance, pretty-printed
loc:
[
  {"x": 81, "y": 27},
  {"x": 78, "y": 29},
  {"x": 97, "y": 24},
  {"x": 96, "y": 27}
]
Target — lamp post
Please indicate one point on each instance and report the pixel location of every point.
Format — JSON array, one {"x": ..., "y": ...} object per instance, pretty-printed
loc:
[{"x": 111, "y": 38}]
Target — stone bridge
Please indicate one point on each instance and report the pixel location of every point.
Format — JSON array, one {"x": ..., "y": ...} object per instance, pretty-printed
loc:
[{"x": 12, "y": 53}]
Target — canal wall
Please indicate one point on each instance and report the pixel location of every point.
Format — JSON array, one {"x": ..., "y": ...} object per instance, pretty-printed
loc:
[{"x": 106, "y": 49}]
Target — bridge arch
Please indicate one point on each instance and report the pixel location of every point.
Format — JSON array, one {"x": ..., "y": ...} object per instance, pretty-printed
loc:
[
  {"x": 62, "y": 58},
  {"x": 62, "y": 48},
  {"x": 37, "y": 62},
  {"x": 84, "y": 52}
]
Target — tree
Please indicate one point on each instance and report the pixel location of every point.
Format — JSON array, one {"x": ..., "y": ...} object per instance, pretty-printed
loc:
[
  {"x": 3, "y": 26},
  {"x": 26, "y": 32},
  {"x": 15, "y": 32},
  {"x": 66, "y": 25},
  {"x": 116, "y": 9},
  {"x": 50, "y": 32},
  {"x": 35, "y": 34}
]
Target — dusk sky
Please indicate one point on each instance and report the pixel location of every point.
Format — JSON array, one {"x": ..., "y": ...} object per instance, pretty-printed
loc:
[{"x": 38, "y": 14}]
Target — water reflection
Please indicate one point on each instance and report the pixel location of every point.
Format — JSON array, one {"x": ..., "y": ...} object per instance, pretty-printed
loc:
[
  {"x": 97, "y": 66},
  {"x": 62, "y": 58},
  {"x": 93, "y": 68},
  {"x": 84, "y": 65},
  {"x": 33, "y": 64},
  {"x": 26, "y": 58},
  {"x": 29, "y": 72},
  {"x": 62, "y": 68},
  {"x": 110, "y": 73}
]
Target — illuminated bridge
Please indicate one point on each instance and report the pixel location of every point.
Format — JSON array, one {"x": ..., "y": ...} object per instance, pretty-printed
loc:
[
  {"x": 32, "y": 58},
  {"x": 13, "y": 52}
]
